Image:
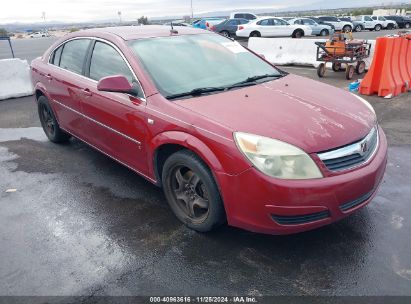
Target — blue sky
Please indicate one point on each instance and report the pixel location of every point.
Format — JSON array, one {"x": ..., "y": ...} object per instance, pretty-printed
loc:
[{"x": 91, "y": 10}]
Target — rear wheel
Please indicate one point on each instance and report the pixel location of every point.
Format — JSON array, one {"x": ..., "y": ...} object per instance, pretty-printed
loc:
[
  {"x": 390, "y": 26},
  {"x": 349, "y": 72},
  {"x": 324, "y": 32},
  {"x": 321, "y": 70},
  {"x": 191, "y": 192},
  {"x": 225, "y": 34},
  {"x": 255, "y": 34},
  {"x": 360, "y": 68},
  {"x": 347, "y": 28},
  {"x": 298, "y": 34},
  {"x": 378, "y": 27},
  {"x": 407, "y": 25},
  {"x": 49, "y": 122}
]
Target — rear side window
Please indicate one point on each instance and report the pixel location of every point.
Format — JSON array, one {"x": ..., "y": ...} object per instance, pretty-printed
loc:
[
  {"x": 106, "y": 61},
  {"x": 249, "y": 17},
  {"x": 232, "y": 22},
  {"x": 265, "y": 22},
  {"x": 73, "y": 55},
  {"x": 239, "y": 16}
]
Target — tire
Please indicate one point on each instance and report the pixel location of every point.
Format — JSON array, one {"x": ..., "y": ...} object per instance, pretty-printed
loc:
[
  {"x": 298, "y": 34},
  {"x": 321, "y": 70},
  {"x": 187, "y": 179},
  {"x": 358, "y": 28},
  {"x": 324, "y": 32},
  {"x": 360, "y": 68},
  {"x": 336, "y": 66},
  {"x": 225, "y": 34},
  {"x": 49, "y": 122},
  {"x": 407, "y": 25},
  {"x": 390, "y": 26},
  {"x": 347, "y": 28},
  {"x": 349, "y": 72},
  {"x": 378, "y": 27},
  {"x": 255, "y": 34}
]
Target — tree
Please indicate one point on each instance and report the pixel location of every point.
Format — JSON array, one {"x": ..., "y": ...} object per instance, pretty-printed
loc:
[
  {"x": 143, "y": 20},
  {"x": 3, "y": 32}
]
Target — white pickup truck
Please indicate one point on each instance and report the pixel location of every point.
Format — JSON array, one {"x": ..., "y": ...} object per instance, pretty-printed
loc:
[
  {"x": 386, "y": 24},
  {"x": 366, "y": 23}
]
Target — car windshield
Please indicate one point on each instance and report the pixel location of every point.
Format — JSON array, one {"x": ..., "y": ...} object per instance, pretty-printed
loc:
[{"x": 180, "y": 64}]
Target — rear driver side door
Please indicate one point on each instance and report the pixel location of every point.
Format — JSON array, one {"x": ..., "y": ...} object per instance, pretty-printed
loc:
[{"x": 116, "y": 121}]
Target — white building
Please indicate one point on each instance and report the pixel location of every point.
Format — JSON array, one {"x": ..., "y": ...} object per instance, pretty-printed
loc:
[{"x": 389, "y": 12}]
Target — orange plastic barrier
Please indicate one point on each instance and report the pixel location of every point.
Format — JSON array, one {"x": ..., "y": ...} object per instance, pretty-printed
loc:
[{"x": 390, "y": 71}]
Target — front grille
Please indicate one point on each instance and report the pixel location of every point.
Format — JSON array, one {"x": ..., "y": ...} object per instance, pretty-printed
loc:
[
  {"x": 352, "y": 204},
  {"x": 352, "y": 155},
  {"x": 300, "y": 219}
]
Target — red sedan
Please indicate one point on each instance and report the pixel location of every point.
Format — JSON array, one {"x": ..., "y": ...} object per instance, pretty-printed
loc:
[{"x": 228, "y": 136}]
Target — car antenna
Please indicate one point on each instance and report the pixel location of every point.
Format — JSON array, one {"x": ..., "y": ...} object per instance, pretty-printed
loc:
[{"x": 173, "y": 31}]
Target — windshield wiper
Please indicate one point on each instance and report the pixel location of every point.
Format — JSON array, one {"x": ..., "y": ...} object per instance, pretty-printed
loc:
[
  {"x": 196, "y": 92},
  {"x": 259, "y": 77}
]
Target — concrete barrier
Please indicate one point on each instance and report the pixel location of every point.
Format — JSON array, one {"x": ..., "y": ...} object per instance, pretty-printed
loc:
[
  {"x": 289, "y": 51},
  {"x": 15, "y": 78}
]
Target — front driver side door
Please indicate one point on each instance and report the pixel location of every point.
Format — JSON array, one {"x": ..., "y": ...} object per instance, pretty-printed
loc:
[{"x": 116, "y": 121}]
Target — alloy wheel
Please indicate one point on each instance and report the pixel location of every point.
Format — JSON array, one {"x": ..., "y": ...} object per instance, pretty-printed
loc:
[
  {"x": 190, "y": 193},
  {"x": 47, "y": 120}
]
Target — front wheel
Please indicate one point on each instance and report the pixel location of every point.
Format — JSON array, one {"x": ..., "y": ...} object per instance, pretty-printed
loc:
[
  {"x": 407, "y": 25},
  {"x": 191, "y": 192},
  {"x": 324, "y": 32},
  {"x": 349, "y": 72},
  {"x": 298, "y": 34},
  {"x": 360, "y": 68},
  {"x": 49, "y": 122}
]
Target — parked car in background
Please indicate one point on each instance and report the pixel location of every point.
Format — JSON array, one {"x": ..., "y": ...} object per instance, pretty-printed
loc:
[
  {"x": 228, "y": 27},
  {"x": 386, "y": 24},
  {"x": 39, "y": 35},
  {"x": 243, "y": 15},
  {"x": 366, "y": 23},
  {"x": 317, "y": 29},
  {"x": 339, "y": 25},
  {"x": 207, "y": 23},
  {"x": 245, "y": 144},
  {"x": 272, "y": 27},
  {"x": 403, "y": 22},
  {"x": 319, "y": 21}
]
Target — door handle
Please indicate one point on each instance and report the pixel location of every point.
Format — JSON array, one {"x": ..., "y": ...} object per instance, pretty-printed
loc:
[
  {"x": 49, "y": 78},
  {"x": 87, "y": 92}
]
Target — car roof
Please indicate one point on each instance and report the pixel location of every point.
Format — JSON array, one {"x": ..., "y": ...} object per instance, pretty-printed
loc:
[{"x": 140, "y": 32}]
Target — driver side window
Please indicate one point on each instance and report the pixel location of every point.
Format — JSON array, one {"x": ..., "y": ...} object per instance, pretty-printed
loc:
[{"x": 106, "y": 61}]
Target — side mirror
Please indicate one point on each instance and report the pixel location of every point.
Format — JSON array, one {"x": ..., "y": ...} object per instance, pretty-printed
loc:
[{"x": 116, "y": 83}]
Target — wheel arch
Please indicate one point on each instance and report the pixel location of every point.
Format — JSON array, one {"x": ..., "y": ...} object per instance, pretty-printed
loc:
[{"x": 167, "y": 143}]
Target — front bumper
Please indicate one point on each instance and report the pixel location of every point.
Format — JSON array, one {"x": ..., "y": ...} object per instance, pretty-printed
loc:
[{"x": 256, "y": 202}]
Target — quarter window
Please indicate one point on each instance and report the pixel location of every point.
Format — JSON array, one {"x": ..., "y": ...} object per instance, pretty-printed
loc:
[
  {"x": 55, "y": 59},
  {"x": 73, "y": 55},
  {"x": 106, "y": 61}
]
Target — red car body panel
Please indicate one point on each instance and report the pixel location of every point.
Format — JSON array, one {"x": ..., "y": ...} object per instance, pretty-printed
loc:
[{"x": 308, "y": 114}]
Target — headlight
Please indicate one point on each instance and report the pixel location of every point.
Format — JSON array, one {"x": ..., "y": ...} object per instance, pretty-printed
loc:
[
  {"x": 276, "y": 158},
  {"x": 366, "y": 103}
]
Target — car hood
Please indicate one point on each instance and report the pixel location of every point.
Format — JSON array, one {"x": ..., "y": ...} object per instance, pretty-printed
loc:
[{"x": 306, "y": 113}]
